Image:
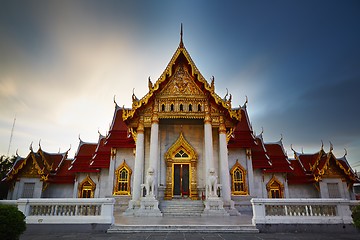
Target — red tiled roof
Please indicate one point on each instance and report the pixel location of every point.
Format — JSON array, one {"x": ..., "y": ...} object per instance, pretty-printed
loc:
[
  {"x": 243, "y": 135},
  {"x": 279, "y": 160},
  {"x": 101, "y": 158},
  {"x": 81, "y": 162},
  {"x": 260, "y": 159},
  {"x": 119, "y": 136}
]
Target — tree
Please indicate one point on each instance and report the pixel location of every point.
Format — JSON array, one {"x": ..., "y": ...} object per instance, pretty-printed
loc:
[{"x": 5, "y": 165}]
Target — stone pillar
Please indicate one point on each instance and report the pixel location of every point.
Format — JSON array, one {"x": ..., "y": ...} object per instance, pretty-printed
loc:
[
  {"x": 224, "y": 163},
  {"x": 250, "y": 172},
  {"x": 154, "y": 147},
  {"x": 111, "y": 172},
  {"x": 208, "y": 140},
  {"x": 139, "y": 161}
]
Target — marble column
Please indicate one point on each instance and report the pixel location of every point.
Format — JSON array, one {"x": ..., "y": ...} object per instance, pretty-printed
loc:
[
  {"x": 250, "y": 172},
  {"x": 224, "y": 163},
  {"x": 111, "y": 172},
  {"x": 208, "y": 148},
  {"x": 154, "y": 148},
  {"x": 139, "y": 161}
]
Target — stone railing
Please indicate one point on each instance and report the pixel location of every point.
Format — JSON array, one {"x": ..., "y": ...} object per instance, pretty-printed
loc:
[
  {"x": 302, "y": 211},
  {"x": 66, "y": 210}
]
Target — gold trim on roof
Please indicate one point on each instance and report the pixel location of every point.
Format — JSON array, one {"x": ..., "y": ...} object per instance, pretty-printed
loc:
[{"x": 129, "y": 113}]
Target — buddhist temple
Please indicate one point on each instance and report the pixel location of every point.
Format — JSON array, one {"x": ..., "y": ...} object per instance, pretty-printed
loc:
[{"x": 181, "y": 142}]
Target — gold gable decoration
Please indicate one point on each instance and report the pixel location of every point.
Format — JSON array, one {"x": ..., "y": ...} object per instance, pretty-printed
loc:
[
  {"x": 180, "y": 85},
  {"x": 181, "y": 144}
]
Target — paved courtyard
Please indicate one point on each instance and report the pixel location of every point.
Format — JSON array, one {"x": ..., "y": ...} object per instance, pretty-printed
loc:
[{"x": 194, "y": 236}]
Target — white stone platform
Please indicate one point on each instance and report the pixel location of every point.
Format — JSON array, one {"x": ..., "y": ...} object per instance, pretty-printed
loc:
[{"x": 189, "y": 224}]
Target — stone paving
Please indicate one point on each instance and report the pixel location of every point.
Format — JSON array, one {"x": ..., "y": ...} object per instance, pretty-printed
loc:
[{"x": 194, "y": 236}]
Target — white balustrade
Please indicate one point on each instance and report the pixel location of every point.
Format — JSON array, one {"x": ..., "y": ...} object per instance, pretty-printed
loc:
[
  {"x": 66, "y": 210},
  {"x": 302, "y": 211}
]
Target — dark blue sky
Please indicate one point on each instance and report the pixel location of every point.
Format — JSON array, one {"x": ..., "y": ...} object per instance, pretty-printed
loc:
[{"x": 297, "y": 61}]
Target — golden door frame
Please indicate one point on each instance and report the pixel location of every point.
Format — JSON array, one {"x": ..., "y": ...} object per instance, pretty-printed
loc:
[{"x": 181, "y": 152}]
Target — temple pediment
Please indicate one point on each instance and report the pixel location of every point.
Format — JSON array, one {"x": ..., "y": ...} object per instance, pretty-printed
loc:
[{"x": 181, "y": 84}]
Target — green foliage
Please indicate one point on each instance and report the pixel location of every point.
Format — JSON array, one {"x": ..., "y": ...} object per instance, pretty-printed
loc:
[
  {"x": 5, "y": 165},
  {"x": 356, "y": 216},
  {"x": 12, "y": 222}
]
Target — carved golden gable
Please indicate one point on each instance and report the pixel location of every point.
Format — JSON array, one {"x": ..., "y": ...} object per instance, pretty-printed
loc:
[{"x": 181, "y": 84}]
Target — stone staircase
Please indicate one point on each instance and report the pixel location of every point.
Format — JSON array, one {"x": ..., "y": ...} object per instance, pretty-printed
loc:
[
  {"x": 183, "y": 228},
  {"x": 182, "y": 208}
]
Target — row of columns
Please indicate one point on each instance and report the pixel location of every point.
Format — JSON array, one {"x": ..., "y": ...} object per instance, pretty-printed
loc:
[{"x": 154, "y": 154}]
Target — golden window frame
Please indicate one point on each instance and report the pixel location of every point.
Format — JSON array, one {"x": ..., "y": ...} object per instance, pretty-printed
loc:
[
  {"x": 274, "y": 185},
  {"x": 238, "y": 167},
  {"x": 86, "y": 185},
  {"x": 117, "y": 190}
]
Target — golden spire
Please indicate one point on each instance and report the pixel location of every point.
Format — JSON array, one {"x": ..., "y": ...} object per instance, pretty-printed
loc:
[{"x": 181, "y": 36}]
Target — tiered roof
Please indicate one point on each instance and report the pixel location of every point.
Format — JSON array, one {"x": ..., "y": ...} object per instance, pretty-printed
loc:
[
  {"x": 50, "y": 167},
  {"x": 119, "y": 136},
  {"x": 83, "y": 157},
  {"x": 314, "y": 167},
  {"x": 260, "y": 158},
  {"x": 279, "y": 159},
  {"x": 101, "y": 157},
  {"x": 243, "y": 135}
]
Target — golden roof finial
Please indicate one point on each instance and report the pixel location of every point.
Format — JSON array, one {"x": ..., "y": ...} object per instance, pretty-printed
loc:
[{"x": 181, "y": 36}]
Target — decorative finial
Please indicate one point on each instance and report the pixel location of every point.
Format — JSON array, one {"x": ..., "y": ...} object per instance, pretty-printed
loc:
[
  {"x": 40, "y": 143},
  {"x": 345, "y": 152},
  {"x": 227, "y": 93},
  {"x": 150, "y": 84},
  {"x": 17, "y": 154},
  {"x": 134, "y": 98},
  {"x": 31, "y": 148},
  {"x": 322, "y": 145},
  {"x": 246, "y": 102},
  {"x": 291, "y": 146},
  {"x": 331, "y": 147},
  {"x": 115, "y": 100},
  {"x": 281, "y": 137},
  {"x": 181, "y": 36}
]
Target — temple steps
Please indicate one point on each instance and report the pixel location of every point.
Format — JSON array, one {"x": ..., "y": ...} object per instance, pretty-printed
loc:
[
  {"x": 183, "y": 228},
  {"x": 181, "y": 207}
]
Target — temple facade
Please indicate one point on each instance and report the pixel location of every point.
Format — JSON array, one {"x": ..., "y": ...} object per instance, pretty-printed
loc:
[{"x": 181, "y": 141}]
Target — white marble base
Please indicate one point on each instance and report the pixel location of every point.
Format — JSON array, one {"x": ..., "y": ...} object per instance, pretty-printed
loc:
[
  {"x": 133, "y": 207},
  {"x": 229, "y": 206},
  {"x": 149, "y": 206},
  {"x": 214, "y": 206}
]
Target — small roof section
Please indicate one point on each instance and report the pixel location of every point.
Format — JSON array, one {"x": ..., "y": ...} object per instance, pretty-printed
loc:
[{"x": 83, "y": 156}]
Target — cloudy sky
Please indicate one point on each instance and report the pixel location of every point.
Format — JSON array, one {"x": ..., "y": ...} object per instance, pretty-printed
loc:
[{"x": 62, "y": 62}]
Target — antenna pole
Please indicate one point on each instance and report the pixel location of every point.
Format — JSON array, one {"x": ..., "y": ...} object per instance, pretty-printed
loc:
[{"x": 11, "y": 136}]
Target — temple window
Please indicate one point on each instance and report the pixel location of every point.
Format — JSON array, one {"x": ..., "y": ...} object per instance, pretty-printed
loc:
[
  {"x": 86, "y": 188},
  {"x": 190, "y": 108},
  {"x": 199, "y": 107},
  {"x": 181, "y": 108},
  {"x": 333, "y": 189},
  {"x": 172, "y": 107},
  {"x": 181, "y": 154},
  {"x": 28, "y": 190},
  {"x": 163, "y": 107},
  {"x": 275, "y": 188},
  {"x": 123, "y": 174},
  {"x": 238, "y": 180}
]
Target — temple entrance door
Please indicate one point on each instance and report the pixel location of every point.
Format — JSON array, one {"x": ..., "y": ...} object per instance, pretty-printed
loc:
[{"x": 181, "y": 180}]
